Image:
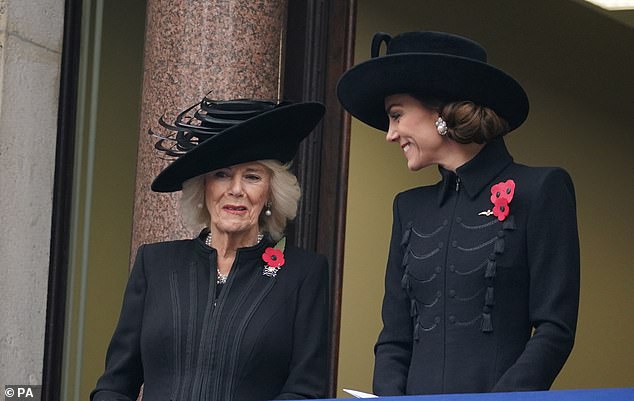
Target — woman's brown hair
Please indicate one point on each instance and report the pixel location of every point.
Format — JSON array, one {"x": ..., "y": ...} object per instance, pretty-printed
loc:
[{"x": 468, "y": 122}]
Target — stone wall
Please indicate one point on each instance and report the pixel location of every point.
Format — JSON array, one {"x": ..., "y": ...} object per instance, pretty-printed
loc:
[{"x": 30, "y": 55}]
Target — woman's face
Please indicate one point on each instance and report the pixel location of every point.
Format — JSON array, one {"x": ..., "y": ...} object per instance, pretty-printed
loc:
[
  {"x": 235, "y": 197},
  {"x": 412, "y": 126}
]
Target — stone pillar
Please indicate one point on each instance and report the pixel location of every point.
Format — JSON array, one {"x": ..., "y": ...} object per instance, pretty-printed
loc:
[
  {"x": 30, "y": 57},
  {"x": 232, "y": 48}
]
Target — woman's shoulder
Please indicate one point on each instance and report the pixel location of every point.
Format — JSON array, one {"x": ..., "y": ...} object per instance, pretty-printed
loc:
[
  {"x": 420, "y": 191},
  {"x": 164, "y": 245},
  {"x": 164, "y": 249},
  {"x": 543, "y": 187},
  {"x": 304, "y": 255},
  {"x": 410, "y": 200},
  {"x": 417, "y": 194},
  {"x": 539, "y": 171},
  {"x": 540, "y": 178},
  {"x": 305, "y": 263}
]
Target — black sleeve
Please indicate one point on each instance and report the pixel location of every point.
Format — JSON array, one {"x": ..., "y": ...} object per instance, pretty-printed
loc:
[
  {"x": 308, "y": 373},
  {"x": 123, "y": 375},
  {"x": 553, "y": 263},
  {"x": 393, "y": 350}
]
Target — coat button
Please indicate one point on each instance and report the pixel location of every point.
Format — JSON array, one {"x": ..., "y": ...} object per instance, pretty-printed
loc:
[
  {"x": 452, "y": 268},
  {"x": 440, "y": 245},
  {"x": 454, "y": 244},
  {"x": 452, "y": 319},
  {"x": 445, "y": 222},
  {"x": 500, "y": 234},
  {"x": 452, "y": 293},
  {"x": 438, "y": 294},
  {"x": 458, "y": 219},
  {"x": 438, "y": 269},
  {"x": 437, "y": 319}
]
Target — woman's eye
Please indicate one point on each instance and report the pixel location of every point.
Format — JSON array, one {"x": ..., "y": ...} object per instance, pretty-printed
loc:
[
  {"x": 221, "y": 174},
  {"x": 395, "y": 116},
  {"x": 253, "y": 177}
]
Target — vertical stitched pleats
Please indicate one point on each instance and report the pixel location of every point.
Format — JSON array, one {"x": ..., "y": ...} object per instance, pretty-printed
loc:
[
  {"x": 223, "y": 347},
  {"x": 229, "y": 391},
  {"x": 204, "y": 348},
  {"x": 176, "y": 324},
  {"x": 191, "y": 332}
]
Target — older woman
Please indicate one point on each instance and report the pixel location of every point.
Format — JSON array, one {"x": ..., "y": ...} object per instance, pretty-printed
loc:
[
  {"x": 482, "y": 282},
  {"x": 236, "y": 313}
]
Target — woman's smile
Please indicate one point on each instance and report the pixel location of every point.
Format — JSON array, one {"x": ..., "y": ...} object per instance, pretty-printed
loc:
[{"x": 235, "y": 209}]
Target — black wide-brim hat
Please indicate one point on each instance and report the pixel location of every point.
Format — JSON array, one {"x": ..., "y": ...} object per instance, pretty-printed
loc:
[
  {"x": 429, "y": 64},
  {"x": 226, "y": 133}
]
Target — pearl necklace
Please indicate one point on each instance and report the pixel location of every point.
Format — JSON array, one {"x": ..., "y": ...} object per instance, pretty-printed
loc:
[{"x": 222, "y": 278}]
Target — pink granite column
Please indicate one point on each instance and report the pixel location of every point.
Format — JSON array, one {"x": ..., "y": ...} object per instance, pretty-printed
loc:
[{"x": 229, "y": 47}]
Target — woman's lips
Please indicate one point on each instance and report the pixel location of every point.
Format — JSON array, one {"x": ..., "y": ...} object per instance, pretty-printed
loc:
[{"x": 234, "y": 209}]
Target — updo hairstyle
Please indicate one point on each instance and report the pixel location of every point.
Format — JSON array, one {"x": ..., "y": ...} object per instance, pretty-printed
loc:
[{"x": 468, "y": 122}]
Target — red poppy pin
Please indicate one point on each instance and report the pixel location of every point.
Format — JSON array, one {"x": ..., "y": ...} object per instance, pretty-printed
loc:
[
  {"x": 274, "y": 258},
  {"x": 501, "y": 195}
]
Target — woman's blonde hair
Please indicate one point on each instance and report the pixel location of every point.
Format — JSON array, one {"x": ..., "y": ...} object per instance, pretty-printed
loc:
[{"x": 284, "y": 194}]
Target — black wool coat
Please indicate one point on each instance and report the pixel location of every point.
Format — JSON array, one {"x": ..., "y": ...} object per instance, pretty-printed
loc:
[
  {"x": 472, "y": 303},
  {"x": 260, "y": 338}
]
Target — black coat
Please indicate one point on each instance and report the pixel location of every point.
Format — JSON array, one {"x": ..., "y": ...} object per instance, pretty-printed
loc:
[
  {"x": 260, "y": 338},
  {"x": 464, "y": 291}
]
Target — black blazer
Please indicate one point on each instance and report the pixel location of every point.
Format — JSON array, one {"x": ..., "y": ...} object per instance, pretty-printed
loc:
[
  {"x": 464, "y": 291},
  {"x": 260, "y": 338}
]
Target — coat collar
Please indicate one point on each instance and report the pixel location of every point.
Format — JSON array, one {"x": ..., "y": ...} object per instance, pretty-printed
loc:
[{"x": 478, "y": 172}]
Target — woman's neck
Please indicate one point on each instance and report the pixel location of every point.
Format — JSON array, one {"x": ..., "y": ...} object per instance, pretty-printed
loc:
[
  {"x": 456, "y": 154},
  {"x": 226, "y": 244}
]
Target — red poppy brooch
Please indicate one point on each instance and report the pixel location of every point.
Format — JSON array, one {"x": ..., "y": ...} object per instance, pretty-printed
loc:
[
  {"x": 501, "y": 195},
  {"x": 274, "y": 258}
]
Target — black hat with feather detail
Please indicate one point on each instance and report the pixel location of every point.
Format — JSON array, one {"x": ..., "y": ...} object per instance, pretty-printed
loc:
[{"x": 214, "y": 134}]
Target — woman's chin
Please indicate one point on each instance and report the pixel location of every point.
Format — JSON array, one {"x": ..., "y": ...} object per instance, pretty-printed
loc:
[{"x": 414, "y": 166}]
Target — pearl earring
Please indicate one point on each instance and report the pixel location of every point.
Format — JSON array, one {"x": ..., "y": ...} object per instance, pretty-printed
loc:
[
  {"x": 441, "y": 126},
  {"x": 268, "y": 212}
]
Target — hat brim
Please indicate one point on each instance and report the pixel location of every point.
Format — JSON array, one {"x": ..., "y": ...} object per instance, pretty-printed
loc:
[
  {"x": 362, "y": 89},
  {"x": 275, "y": 134}
]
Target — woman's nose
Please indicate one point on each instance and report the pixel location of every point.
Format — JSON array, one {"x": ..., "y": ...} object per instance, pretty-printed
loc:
[
  {"x": 236, "y": 186},
  {"x": 392, "y": 134}
]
